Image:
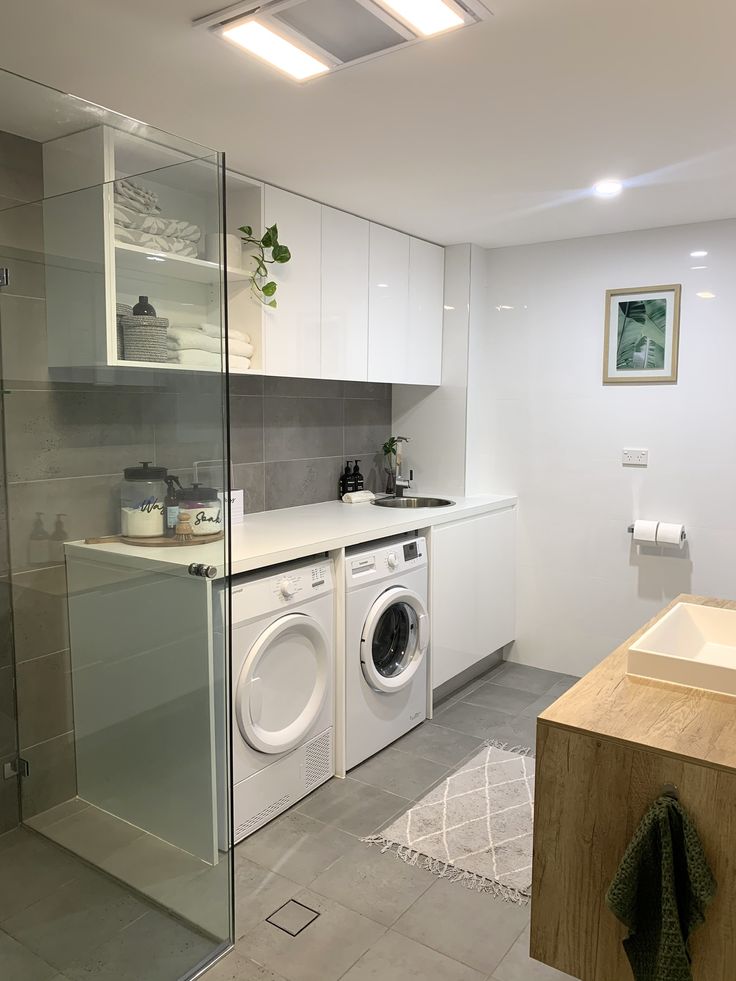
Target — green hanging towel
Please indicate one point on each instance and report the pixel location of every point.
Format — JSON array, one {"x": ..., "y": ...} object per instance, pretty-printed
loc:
[{"x": 660, "y": 892}]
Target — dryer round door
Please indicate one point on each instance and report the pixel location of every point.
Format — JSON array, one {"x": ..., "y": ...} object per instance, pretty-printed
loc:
[
  {"x": 395, "y": 638},
  {"x": 283, "y": 684}
]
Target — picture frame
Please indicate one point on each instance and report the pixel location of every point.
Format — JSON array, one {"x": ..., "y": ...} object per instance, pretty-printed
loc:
[{"x": 642, "y": 335}]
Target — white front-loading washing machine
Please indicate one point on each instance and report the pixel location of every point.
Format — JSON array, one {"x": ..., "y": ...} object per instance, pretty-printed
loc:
[
  {"x": 282, "y": 689},
  {"x": 386, "y": 644}
]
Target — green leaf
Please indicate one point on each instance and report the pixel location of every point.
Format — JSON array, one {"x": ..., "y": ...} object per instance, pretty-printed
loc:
[
  {"x": 267, "y": 240},
  {"x": 246, "y": 230},
  {"x": 272, "y": 303},
  {"x": 280, "y": 253},
  {"x": 269, "y": 288}
]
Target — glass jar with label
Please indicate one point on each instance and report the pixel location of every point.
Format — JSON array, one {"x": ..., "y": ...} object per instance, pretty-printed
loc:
[
  {"x": 204, "y": 508},
  {"x": 142, "y": 496}
]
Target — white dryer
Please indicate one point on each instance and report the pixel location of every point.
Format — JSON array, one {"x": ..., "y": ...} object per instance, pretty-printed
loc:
[
  {"x": 283, "y": 700},
  {"x": 386, "y": 644}
]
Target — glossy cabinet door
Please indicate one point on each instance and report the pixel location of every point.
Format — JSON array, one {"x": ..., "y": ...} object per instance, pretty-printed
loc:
[
  {"x": 344, "y": 337},
  {"x": 388, "y": 335},
  {"x": 472, "y": 598},
  {"x": 426, "y": 292},
  {"x": 292, "y": 331}
]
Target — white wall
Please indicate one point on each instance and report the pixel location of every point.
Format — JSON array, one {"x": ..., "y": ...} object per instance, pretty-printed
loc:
[
  {"x": 541, "y": 423},
  {"x": 434, "y": 418}
]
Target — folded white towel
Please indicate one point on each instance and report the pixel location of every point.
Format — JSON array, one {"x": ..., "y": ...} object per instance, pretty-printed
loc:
[
  {"x": 359, "y": 497},
  {"x": 214, "y": 330},
  {"x": 186, "y": 339},
  {"x": 137, "y": 197},
  {"x": 156, "y": 224},
  {"x": 239, "y": 348},
  {"x": 239, "y": 364},
  {"x": 197, "y": 359}
]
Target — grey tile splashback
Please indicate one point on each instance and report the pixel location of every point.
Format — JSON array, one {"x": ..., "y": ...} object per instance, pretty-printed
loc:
[{"x": 290, "y": 437}]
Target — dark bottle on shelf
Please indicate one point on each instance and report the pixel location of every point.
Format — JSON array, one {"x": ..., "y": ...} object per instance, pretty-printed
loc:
[
  {"x": 346, "y": 481},
  {"x": 358, "y": 477},
  {"x": 171, "y": 506},
  {"x": 143, "y": 308}
]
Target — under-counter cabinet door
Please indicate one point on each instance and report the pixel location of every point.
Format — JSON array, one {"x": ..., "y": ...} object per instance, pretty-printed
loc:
[
  {"x": 292, "y": 330},
  {"x": 345, "y": 243},
  {"x": 388, "y": 324},
  {"x": 426, "y": 293},
  {"x": 472, "y": 598}
]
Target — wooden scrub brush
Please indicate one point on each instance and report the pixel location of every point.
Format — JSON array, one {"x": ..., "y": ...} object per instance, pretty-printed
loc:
[{"x": 184, "y": 528}]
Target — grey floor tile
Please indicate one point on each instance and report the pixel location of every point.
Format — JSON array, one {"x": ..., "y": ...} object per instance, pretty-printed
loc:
[
  {"x": 202, "y": 899},
  {"x": 293, "y": 917},
  {"x": 397, "y": 958},
  {"x": 357, "y": 808},
  {"x": 30, "y": 869},
  {"x": 151, "y": 865},
  {"x": 472, "y": 927},
  {"x": 296, "y": 846},
  {"x": 237, "y": 966},
  {"x": 462, "y": 692},
  {"x": 322, "y": 952},
  {"x": 400, "y": 774},
  {"x": 473, "y": 720},
  {"x": 518, "y": 730},
  {"x": 439, "y": 744},
  {"x": 258, "y": 893},
  {"x": 45, "y": 819},
  {"x": 95, "y": 835},
  {"x": 544, "y": 701},
  {"x": 524, "y": 677},
  {"x": 374, "y": 883},
  {"x": 155, "y": 947},
  {"x": 17, "y": 963},
  {"x": 501, "y": 697},
  {"x": 517, "y": 965},
  {"x": 73, "y": 920}
]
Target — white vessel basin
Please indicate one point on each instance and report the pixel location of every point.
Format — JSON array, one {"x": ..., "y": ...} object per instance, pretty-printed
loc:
[{"x": 691, "y": 645}]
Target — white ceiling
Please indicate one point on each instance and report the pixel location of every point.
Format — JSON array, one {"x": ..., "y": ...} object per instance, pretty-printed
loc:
[{"x": 491, "y": 135}]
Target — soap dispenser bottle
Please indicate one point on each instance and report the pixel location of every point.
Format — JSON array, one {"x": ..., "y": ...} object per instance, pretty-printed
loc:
[
  {"x": 143, "y": 308},
  {"x": 358, "y": 477},
  {"x": 346, "y": 481},
  {"x": 58, "y": 537},
  {"x": 39, "y": 543}
]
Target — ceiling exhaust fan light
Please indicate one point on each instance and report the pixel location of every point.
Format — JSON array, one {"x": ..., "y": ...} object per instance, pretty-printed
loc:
[
  {"x": 427, "y": 17},
  {"x": 276, "y": 50},
  {"x": 608, "y": 188}
]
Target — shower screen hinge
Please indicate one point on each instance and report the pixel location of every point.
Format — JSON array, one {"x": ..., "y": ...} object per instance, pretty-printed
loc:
[
  {"x": 16, "y": 768},
  {"x": 4, "y": 276}
]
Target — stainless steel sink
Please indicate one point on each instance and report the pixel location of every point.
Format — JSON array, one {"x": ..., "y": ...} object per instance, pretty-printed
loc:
[{"x": 412, "y": 502}]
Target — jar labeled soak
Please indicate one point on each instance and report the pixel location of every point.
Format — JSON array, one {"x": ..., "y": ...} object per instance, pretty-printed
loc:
[
  {"x": 142, "y": 497},
  {"x": 203, "y": 506}
]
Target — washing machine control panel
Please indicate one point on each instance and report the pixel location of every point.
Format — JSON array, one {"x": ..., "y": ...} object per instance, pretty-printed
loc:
[{"x": 387, "y": 561}]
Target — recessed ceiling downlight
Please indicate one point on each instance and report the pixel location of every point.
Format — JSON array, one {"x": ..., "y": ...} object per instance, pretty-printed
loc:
[
  {"x": 608, "y": 188},
  {"x": 698, "y": 254},
  {"x": 428, "y": 17},
  {"x": 706, "y": 295},
  {"x": 276, "y": 50}
]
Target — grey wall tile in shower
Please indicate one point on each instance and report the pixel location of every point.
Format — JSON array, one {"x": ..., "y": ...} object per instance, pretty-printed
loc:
[
  {"x": 53, "y": 774},
  {"x": 75, "y": 433},
  {"x": 304, "y": 387},
  {"x": 246, "y": 429},
  {"x": 21, "y": 168},
  {"x": 40, "y": 612},
  {"x": 251, "y": 479},
  {"x": 44, "y": 698}
]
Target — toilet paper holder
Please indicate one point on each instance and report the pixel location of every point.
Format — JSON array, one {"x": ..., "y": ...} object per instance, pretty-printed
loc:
[{"x": 683, "y": 536}]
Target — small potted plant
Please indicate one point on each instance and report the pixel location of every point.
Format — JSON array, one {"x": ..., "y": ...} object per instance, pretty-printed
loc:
[{"x": 392, "y": 460}]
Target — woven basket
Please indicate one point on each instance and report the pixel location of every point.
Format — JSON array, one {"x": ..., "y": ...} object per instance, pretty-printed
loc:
[
  {"x": 121, "y": 310},
  {"x": 144, "y": 338}
]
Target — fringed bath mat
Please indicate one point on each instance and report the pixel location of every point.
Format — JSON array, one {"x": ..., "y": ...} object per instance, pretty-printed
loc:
[{"x": 474, "y": 828}]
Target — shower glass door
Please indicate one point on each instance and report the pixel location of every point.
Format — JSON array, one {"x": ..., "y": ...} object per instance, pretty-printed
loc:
[{"x": 114, "y": 389}]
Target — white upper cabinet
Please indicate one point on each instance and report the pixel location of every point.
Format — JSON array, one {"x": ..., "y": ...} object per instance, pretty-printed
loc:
[
  {"x": 344, "y": 347},
  {"x": 388, "y": 335},
  {"x": 292, "y": 331},
  {"x": 426, "y": 293}
]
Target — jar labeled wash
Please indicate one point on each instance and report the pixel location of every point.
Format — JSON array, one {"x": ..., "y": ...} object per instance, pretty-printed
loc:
[
  {"x": 203, "y": 506},
  {"x": 142, "y": 497}
]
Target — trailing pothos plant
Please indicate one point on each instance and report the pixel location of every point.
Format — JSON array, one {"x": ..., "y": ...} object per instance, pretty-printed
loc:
[{"x": 267, "y": 251}]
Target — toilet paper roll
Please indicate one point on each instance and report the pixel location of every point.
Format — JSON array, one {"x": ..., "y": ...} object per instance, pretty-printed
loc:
[
  {"x": 645, "y": 531},
  {"x": 670, "y": 534}
]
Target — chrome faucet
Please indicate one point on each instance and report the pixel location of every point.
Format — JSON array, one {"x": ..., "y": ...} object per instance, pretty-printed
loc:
[{"x": 402, "y": 483}]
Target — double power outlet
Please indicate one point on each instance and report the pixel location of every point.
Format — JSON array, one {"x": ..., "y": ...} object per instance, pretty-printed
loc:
[{"x": 635, "y": 458}]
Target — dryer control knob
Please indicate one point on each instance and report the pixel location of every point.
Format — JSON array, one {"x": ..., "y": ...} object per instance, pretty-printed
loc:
[
  {"x": 393, "y": 560},
  {"x": 286, "y": 588}
]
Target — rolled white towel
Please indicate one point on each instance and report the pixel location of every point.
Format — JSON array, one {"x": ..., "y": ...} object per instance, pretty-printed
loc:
[
  {"x": 197, "y": 359},
  {"x": 239, "y": 348}
]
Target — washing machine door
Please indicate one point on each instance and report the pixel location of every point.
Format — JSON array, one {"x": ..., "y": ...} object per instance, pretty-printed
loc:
[
  {"x": 394, "y": 640},
  {"x": 283, "y": 684}
]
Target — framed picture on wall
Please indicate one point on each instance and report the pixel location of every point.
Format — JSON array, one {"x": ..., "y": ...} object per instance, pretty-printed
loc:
[{"x": 642, "y": 335}]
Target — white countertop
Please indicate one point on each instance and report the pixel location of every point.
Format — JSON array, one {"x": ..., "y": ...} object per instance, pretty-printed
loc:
[{"x": 271, "y": 537}]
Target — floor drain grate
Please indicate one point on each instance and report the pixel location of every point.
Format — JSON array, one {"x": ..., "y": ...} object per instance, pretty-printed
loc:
[{"x": 292, "y": 917}]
